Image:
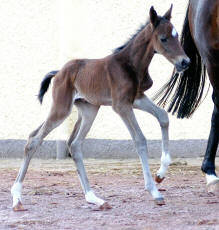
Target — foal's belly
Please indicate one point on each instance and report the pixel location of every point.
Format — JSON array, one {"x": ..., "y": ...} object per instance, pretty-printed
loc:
[
  {"x": 93, "y": 99},
  {"x": 91, "y": 83}
]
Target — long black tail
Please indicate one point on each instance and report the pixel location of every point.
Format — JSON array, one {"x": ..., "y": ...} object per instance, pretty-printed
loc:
[
  {"x": 45, "y": 84},
  {"x": 190, "y": 84}
]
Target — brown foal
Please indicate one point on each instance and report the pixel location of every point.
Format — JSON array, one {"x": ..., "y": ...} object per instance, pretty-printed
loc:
[{"x": 119, "y": 80}]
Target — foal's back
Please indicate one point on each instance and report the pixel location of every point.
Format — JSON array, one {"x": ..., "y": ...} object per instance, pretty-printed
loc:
[
  {"x": 95, "y": 80},
  {"x": 85, "y": 78},
  {"x": 92, "y": 81}
]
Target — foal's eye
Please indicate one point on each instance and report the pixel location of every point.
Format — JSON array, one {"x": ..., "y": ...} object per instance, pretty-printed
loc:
[{"x": 163, "y": 40}]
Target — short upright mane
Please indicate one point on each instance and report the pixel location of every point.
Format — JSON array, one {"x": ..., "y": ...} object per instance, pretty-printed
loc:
[{"x": 118, "y": 49}]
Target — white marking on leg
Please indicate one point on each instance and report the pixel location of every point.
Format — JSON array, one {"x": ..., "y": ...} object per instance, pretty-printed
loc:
[
  {"x": 149, "y": 182},
  {"x": 88, "y": 113},
  {"x": 156, "y": 194},
  {"x": 16, "y": 193},
  {"x": 151, "y": 187},
  {"x": 211, "y": 179},
  {"x": 93, "y": 199},
  {"x": 141, "y": 145},
  {"x": 34, "y": 141},
  {"x": 145, "y": 104},
  {"x": 165, "y": 162}
]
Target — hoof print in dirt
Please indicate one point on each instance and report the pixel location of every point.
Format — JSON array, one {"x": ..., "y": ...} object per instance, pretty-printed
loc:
[
  {"x": 159, "y": 201},
  {"x": 158, "y": 179},
  {"x": 19, "y": 207},
  {"x": 105, "y": 206}
]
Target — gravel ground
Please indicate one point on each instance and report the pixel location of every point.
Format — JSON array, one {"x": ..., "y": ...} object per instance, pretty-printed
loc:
[{"x": 54, "y": 199}]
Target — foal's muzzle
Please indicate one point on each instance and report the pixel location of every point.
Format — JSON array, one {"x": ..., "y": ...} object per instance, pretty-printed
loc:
[{"x": 182, "y": 65}]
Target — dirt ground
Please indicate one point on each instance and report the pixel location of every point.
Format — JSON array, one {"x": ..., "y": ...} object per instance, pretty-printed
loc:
[{"x": 54, "y": 198}]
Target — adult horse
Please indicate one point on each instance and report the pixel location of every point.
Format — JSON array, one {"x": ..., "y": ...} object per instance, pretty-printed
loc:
[
  {"x": 200, "y": 40},
  {"x": 119, "y": 80}
]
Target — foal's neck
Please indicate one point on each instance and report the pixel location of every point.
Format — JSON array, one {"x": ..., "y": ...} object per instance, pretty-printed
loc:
[{"x": 140, "y": 51}]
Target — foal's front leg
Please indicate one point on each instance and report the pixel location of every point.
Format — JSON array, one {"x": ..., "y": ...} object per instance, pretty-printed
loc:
[
  {"x": 145, "y": 104},
  {"x": 127, "y": 115}
]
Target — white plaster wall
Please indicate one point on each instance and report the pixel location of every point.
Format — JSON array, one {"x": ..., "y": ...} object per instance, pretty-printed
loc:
[
  {"x": 39, "y": 36},
  {"x": 29, "y": 49}
]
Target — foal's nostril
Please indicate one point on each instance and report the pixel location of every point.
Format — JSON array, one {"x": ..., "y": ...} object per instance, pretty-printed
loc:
[{"x": 185, "y": 63}]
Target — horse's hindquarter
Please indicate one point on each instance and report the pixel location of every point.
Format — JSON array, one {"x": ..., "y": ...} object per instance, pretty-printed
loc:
[
  {"x": 215, "y": 26},
  {"x": 91, "y": 82},
  {"x": 204, "y": 24}
]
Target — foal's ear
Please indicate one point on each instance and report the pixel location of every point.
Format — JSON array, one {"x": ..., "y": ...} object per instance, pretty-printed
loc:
[
  {"x": 167, "y": 15},
  {"x": 153, "y": 17}
]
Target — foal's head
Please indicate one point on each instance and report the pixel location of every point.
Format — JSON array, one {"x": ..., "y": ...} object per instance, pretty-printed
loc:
[{"x": 165, "y": 40}]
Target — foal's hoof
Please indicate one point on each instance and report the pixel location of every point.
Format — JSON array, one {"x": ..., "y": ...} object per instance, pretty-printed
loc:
[
  {"x": 213, "y": 187},
  {"x": 158, "y": 179},
  {"x": 159, "y": 201},
  {"x": 105, "y": 206},
  {"x": 19, "y": 207}
]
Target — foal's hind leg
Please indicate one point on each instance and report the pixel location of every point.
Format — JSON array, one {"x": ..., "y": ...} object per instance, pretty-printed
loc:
[
  {"x": 56, "y": 117},
  {"x": 87, "y": 114},
  {"x": 145, "y": 104}
]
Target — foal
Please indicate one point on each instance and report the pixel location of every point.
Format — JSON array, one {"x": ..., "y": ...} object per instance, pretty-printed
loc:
[{"x": 119, "y": 80}]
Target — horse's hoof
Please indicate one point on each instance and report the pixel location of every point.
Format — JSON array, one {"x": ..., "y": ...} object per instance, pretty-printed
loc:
[
  {"x": 159, "y": 201},
  {"x": 19, "y": 207},
  {"x": 158, "y": 179},
  {"x": 105, "y": 206},
  {"x": 213, "y": 187}
]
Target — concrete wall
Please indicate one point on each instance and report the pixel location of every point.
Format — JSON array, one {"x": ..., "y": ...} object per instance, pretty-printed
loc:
[{"x": 39, "y": 36}]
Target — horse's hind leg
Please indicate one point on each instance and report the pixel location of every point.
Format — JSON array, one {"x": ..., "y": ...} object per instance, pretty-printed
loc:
[
  {"x": 87, "y": 114},
  {"x": 147, "y": 105},
  {"x": 57, "y": 115},
  {"x": 208, "y": 165}
]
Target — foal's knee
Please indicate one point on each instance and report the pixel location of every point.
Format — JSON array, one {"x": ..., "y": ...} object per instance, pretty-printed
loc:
[
  {"x": 120, "y": 109},
  {"x": 76, "y": 157},
  {"x": 141, "y": 145},
  {"x": 31, "y": 145},
  {"x": 76, "y": 151},
  {"x": 163, "y": 119},
  {"x": 141, "y": 141}
]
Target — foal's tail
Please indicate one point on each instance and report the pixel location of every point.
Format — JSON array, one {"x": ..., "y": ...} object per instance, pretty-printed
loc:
[
  {"x": 45, "y": 84},
  {"x": 189, "y": 84}
]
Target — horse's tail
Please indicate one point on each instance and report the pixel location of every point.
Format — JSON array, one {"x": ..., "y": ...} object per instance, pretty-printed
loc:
[
  {"x": 45, "y": 84},
  {"x": 190, "y": 83}
]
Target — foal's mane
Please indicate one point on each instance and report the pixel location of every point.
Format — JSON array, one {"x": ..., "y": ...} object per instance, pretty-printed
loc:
[{"x": 142, "y": 26}]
